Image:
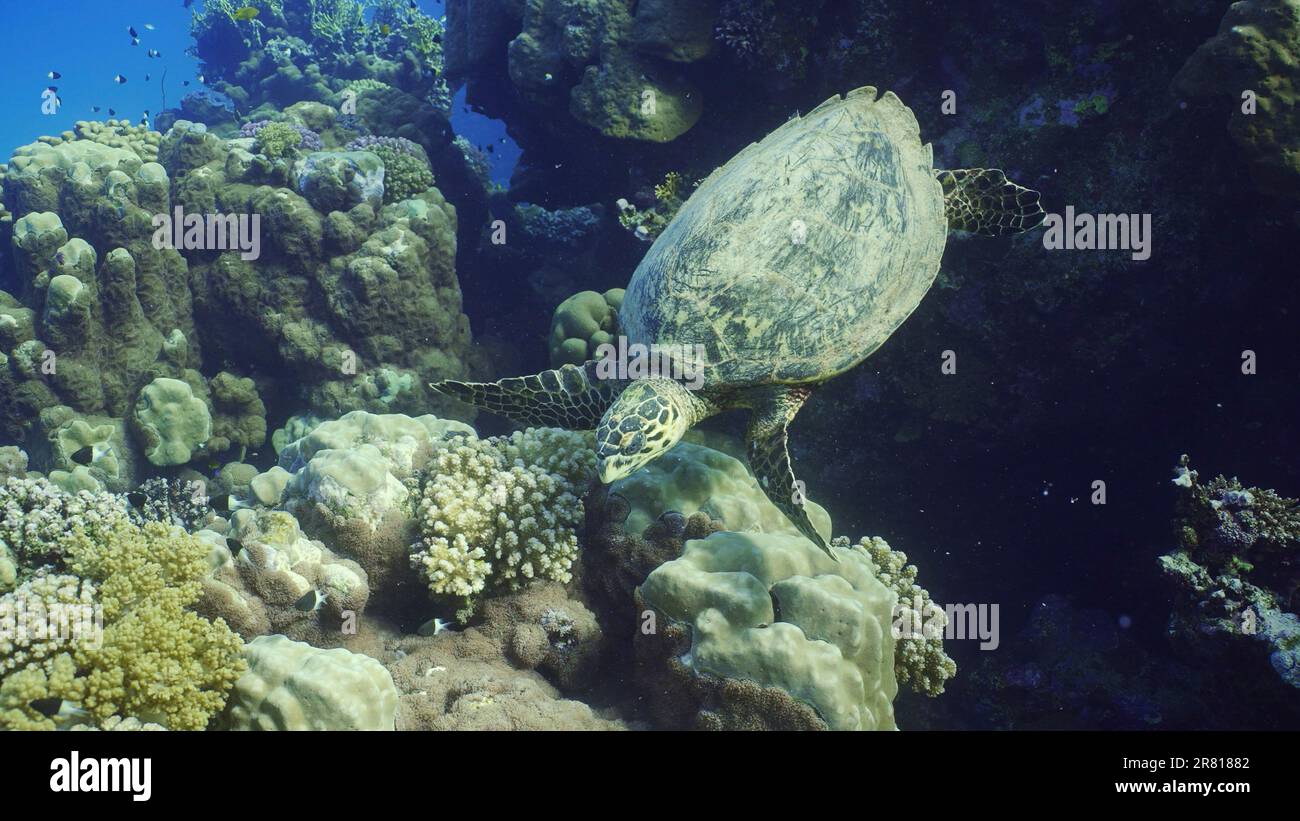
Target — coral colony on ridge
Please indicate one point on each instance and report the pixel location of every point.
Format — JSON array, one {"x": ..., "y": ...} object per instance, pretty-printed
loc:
[{"x": 317, "y": 412}]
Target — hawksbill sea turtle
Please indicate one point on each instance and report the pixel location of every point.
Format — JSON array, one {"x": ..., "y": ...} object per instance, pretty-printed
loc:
[{"x": 789, "y": 265}]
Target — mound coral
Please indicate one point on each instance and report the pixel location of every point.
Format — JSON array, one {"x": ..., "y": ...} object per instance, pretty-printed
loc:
[
  {"x": 581, "y": 324},
  {"x": 497, "y": 513},
  {"x": 1256, "y": 51},
  {"x": 139, "y": 139},
  {"x": 693, "y": 477},
  {"x": 294, "y": 686},
  {"x": 775, "y": 611}
]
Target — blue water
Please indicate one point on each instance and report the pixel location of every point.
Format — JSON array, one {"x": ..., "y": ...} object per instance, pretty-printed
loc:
[{"x": 88, "y": 44}]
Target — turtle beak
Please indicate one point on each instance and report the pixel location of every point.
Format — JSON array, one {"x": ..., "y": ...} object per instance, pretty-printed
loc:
[
  {"x": 613, "y": 468},
  {"x": 609, "y": 472}
]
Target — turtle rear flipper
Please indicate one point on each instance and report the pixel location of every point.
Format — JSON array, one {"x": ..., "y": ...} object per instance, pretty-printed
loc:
[
  {"x": 769, "y": 457},
  {"x": 570, "y": 397},
  {"x": 984, "y": 201}
]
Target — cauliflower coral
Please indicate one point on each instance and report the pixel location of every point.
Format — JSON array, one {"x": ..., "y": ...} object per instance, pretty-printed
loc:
[
  {"x": 498, "y": 513},
  {"x": 130, "y": 647},
  {"x": 919, "y": 660}
]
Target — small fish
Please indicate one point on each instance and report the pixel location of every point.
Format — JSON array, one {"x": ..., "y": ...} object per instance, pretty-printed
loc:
[
  {"x": 185, "y": 82},
  {"x": 136, "y": 498},
  {"x": 53, "y": 89},
  {"x": 311, "y": 602},
  {"x": 84, "y": 456},
  {"x": 95, "y": 108},
  {"x": 131, "y": 31},
  {"x": 54, "y": 75},
  {"x": 221, "y": 502},
  {"x": 187, "y": 3},
  {"x": 112, "y": 113},
  {"x": 56, "y": 708},
  {"x": 245, "y": 13},
  {"x": 135, "y": 42},
  {"x": 491, "y": 148},
  {"x": 119, "y": 79},
  {"x": 59, "y": 258},
  {"x": 148, "y": 26},
  {"x": 414, "y": 4},
  {"x": 234, "y": 545},
  {"x": 146, "y": 78},
  {"x": 434, "y": 626},
  {"x": 202, "y": 79},
  {"x": 153, "y": 52},
  {"x": 437, "y": 38},
  {"x": 385, "y": 29}
]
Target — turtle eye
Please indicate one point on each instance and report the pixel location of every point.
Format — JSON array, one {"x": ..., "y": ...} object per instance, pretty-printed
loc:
[{"x": 633, "y": 443}]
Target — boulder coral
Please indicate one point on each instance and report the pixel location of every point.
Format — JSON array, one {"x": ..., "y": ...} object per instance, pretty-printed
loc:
[
  {"x": 291, "y": 685},
  {"x": 1253, "y": 63},
  {"x": 355, "y": 297},
  {"x": 581, "y": 324}
]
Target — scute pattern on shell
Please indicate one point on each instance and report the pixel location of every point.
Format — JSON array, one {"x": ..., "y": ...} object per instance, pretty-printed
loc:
[{"x": 798, "y": 258}]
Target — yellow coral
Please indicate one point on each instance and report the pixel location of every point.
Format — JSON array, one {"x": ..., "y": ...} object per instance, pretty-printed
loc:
[{"x": 155, "y": 660}]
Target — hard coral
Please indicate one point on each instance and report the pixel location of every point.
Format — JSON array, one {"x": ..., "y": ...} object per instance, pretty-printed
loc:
[
  {"x": 499, "y": 512},
  {"x": 153, "y": 659}
]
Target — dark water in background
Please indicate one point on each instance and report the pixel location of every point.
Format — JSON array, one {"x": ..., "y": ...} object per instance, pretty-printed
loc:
[{"x": 994, "y": 509}]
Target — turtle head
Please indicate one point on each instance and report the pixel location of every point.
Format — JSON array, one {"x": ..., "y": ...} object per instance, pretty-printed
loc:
[{"x": 647, "y": 419}]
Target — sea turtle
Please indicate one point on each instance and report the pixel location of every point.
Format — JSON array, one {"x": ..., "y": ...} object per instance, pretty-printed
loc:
[{"x": 789, "y": 265}]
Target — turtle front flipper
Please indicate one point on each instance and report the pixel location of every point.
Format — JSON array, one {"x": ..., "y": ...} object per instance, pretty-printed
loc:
[
  {"x": 984, "y": 201},
  {"x": 571, "y": 397},
  {"x": 769, "y": 457}
]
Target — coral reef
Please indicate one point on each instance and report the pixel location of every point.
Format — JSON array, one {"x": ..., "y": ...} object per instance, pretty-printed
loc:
[
  {"x": 1255, "y": 51},
  {"x": 136, "y": 650},
  {"x": 1237, "y": 571},
  {"x": 294, "y": 686},
  {"x": 354, "y": 483},
  {"x": 497, "y": 513},
  {"x": 581, "y": 324},
  {"x": 263, "y": 565},
  {"x": 490, "y": 676},
  {"x": 776, "y": 612},
  {"x": 406, "y": 167},
  {"x": 111, "y": 323}
]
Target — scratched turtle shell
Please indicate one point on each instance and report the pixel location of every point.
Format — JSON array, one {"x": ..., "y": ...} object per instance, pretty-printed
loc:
[{"x": 798, "y": 258}]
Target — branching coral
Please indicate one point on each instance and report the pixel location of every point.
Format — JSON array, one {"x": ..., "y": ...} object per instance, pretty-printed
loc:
[
  {"x": 406, "y": 166},
  {"x": 1237, "y": 569},
  {"x": 36, "y": 515},
  {"x": 499, "y": 512},
  {"x": 281, "y": 140},
  {"x": 153, "y": 659},
  {"x": 648, "y": 223},
  {"x": 919, "y": 659}
]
